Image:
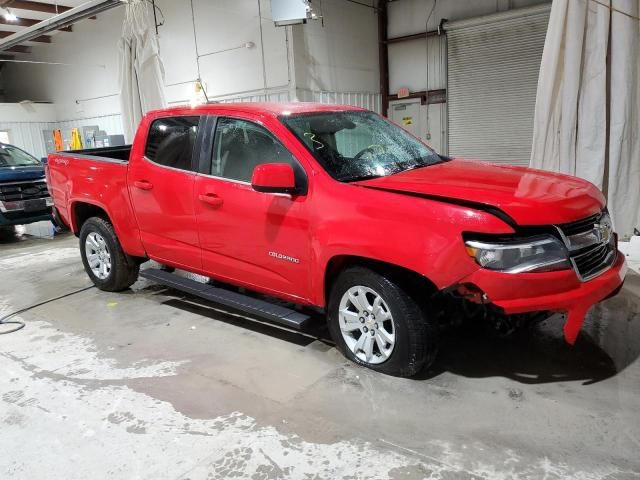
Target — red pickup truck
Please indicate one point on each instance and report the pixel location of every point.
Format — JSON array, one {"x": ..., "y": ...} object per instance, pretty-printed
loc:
[{"x": 336, "y": 207}]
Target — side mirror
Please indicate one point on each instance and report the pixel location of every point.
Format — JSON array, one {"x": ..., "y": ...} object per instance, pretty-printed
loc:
[{"x": 274, "y": 178}]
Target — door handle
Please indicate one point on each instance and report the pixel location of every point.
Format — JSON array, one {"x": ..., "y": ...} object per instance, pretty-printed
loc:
[
  {"x": 211, "y": 199},
  {"x": 143, "y": 185}
]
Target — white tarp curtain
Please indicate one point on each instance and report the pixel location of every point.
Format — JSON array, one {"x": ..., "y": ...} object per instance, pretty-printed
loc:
[
  {"x": 140, "y": 68},
  {"x": 587, "y": 116}
]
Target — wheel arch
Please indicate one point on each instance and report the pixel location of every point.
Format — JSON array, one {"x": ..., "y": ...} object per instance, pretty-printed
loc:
[
  {"x": 82, "y": 211},
  {"x": 417, "y": 285}
]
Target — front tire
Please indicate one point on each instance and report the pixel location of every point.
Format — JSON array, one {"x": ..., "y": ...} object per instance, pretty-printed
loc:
[
  {"x": 377, "y": 324},
  {"x": 108, "y": 267}
]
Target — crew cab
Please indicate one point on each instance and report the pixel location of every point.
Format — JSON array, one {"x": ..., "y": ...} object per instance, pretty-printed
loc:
[
  {"x": 24, "y": 197},
  {"x": 336, "y": 208}
]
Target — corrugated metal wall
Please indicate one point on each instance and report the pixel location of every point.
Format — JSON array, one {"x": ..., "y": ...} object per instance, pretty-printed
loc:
[
  {"x": 270, "y": 96},
  {"x": 31, "y": 136},
  {"x": 371, "y": 101},
  {"x": 112, "y": 124},
  {"x": 27, "y": 135}
]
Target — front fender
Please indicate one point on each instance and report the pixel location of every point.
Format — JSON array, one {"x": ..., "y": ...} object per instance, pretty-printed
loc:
[{"x": 421, "y": 235}]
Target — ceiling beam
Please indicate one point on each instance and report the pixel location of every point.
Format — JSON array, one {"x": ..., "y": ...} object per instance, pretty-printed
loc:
[
  {"x": 41, "y": 38},
  {"x": 76, "y": 14},
  {"x": 28, "y": 22},
  {"x": 18, "y": 49},
  {"x": 40, "y": 7}
]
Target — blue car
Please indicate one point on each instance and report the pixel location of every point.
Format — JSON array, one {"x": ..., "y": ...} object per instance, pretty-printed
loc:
[{"x": 24, "y": 197}]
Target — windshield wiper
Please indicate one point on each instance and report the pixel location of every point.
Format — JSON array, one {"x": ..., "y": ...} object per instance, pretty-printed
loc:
[
  {"x": 415, "y": 167},
  {"x": 420, "y": 165}
]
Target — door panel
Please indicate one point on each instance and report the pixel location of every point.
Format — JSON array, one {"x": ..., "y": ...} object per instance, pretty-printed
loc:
[
  {"x": 161, "y": 187},
  {"x": 255, "y": 239},
  {"x": 165, "y": 213}
]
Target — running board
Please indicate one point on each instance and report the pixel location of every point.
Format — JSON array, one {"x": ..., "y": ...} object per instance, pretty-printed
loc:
[{"x": 255, "y": 306}]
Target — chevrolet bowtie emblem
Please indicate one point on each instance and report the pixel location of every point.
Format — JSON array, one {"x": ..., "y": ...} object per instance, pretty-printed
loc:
[{"x": 603, "y": 232}]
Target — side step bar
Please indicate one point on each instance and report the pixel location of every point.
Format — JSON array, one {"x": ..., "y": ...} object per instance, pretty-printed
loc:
[{"x": 269, "y": 311}]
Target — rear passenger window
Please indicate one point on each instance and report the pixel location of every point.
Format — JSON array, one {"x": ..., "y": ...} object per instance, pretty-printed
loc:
[{"x": 171, "y": 140}]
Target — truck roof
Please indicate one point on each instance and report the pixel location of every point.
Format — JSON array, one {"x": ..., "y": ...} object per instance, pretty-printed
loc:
[{"x": 272, "y": 108}]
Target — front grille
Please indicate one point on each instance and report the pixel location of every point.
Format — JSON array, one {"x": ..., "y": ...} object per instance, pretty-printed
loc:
[
  {"x": 13, "y": 192},
  {"x": 595, "y": 260},
  {"x": 580, "y": 226},
  {"x": 591, "y": 260}
]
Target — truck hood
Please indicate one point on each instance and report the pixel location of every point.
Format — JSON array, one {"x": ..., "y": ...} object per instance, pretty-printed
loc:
[
  {"x": 528, "y": 196},
  {"x": 21, "y": 174}
]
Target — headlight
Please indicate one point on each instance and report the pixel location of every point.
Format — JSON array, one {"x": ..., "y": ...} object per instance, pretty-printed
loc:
[{"x": 542, "y": 253}]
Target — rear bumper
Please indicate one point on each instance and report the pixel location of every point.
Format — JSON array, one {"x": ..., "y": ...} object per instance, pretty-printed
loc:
[{"x": 553, "y": 291}]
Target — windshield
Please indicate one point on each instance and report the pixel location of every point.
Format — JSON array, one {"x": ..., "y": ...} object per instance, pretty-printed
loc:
[
  {"x": 359, "y": 145},
  {"x": 11, "y": 156}
]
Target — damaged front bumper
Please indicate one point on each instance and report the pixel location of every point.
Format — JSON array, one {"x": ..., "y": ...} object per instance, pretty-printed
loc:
[{"x": 559, "y": 291}]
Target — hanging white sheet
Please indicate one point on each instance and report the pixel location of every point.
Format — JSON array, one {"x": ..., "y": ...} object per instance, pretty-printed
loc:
[
  {"x": 577, "y": 89},
  {"x": 141, "y": 69}
]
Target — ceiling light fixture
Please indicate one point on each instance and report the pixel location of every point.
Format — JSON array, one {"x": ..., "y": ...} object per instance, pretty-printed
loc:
[{"x": 8, "y": 15}]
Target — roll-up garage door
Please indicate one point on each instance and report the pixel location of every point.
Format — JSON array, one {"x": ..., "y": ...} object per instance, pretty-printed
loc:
[{"x": 493, "y": 65}]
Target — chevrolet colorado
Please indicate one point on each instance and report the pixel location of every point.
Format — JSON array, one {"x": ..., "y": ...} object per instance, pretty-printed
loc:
[
  {"x": 24, "y": 197},
  {"x": 335, "y": 207}
]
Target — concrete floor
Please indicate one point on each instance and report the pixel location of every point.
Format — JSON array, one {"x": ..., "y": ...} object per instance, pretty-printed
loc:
[{"x": 153, "y": 384}]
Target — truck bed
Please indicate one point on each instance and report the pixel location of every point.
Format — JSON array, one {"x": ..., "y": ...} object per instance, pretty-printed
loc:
[
  {"x": 120, "y": 153},
  {"x": 96, "y": 177}
]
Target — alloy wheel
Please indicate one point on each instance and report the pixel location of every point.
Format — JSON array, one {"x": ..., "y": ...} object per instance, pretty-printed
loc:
[
  {"x": 98, "y": 255},
  {"x": 367, "y": 325}
]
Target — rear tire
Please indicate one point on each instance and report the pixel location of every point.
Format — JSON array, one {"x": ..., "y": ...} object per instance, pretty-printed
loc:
[
  {"x": 108, "y": 267},
  {"x": 377, "y": 324}
]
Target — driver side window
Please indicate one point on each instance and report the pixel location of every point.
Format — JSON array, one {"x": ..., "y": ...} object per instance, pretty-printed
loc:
[{"x": 240, "y": 146}]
